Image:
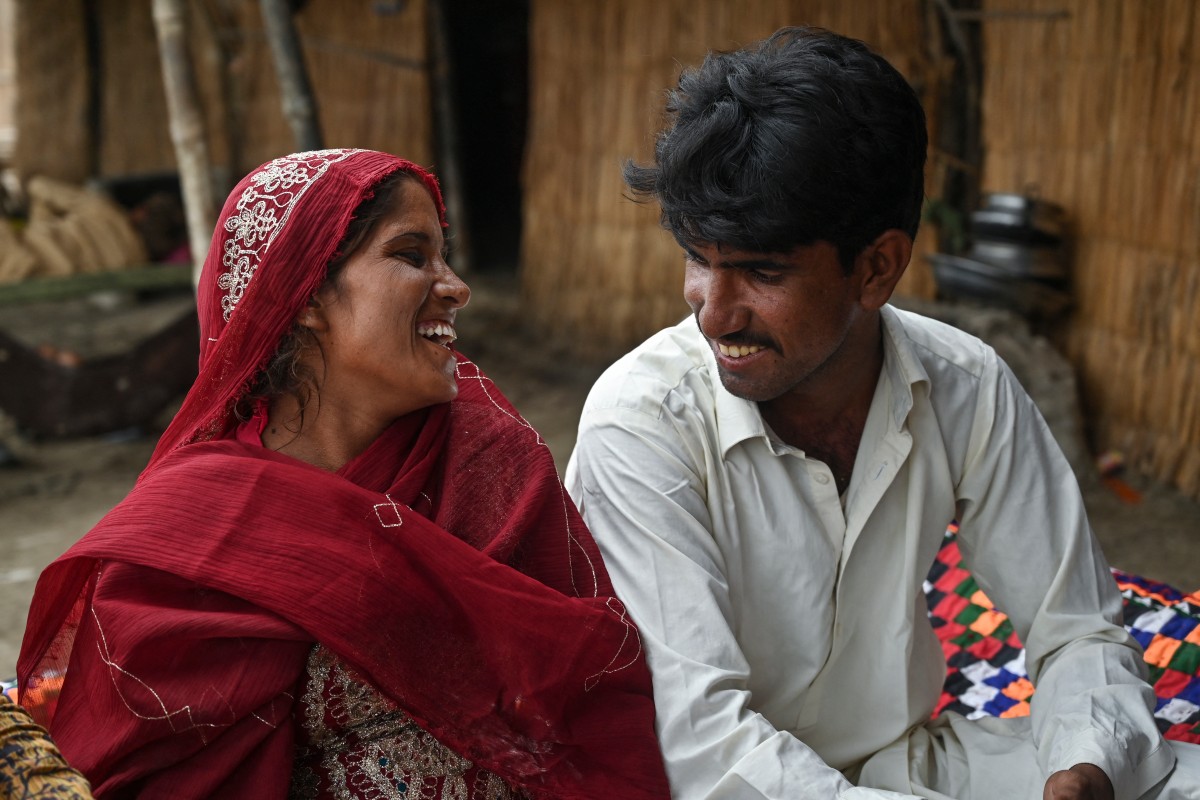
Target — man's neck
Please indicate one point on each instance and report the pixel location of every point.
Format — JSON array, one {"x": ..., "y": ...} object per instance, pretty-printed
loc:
[{"x": 825, "y": 416}]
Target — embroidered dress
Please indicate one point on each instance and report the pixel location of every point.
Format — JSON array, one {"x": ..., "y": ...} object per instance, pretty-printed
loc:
[{"x": 356, "y": 743}]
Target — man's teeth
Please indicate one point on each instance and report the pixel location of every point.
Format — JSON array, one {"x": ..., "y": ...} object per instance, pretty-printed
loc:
[{"x": 737, "y": 351}]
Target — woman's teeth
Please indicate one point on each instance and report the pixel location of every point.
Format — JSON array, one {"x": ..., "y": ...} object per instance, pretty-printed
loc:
[
  {"x": 442, "y": 333},
  {"x": 737, "y": 351}
]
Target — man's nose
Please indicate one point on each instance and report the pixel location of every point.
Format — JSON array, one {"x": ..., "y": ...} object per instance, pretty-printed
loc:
[{"x": 721, "y": 309}]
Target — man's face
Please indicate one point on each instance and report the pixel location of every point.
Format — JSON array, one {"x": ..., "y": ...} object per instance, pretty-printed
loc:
[{"x": 775, "y": 321}]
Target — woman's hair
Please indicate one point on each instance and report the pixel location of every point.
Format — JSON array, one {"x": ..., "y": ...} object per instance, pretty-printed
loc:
[
  {"x": 808, "y": 136},
  {"x": 286, "y": 372}
]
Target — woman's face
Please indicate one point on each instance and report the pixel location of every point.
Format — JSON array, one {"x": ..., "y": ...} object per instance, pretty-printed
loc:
[{"x": 385, "y": 322}]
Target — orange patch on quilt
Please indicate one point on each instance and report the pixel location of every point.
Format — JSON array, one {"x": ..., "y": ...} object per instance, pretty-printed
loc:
[
  {"x": 981, "y": 599},
  {"x": 987, "y": 622},
  {"x": 1161, "y": 649},
  {"x": 1020, "y": 689},
  {"x": 1019, "y": 710}
]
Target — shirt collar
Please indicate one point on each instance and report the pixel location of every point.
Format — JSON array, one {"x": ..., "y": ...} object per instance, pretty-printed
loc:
[
  {"x": 903, "y": 366},
  {"x": 739, "y": 420}
]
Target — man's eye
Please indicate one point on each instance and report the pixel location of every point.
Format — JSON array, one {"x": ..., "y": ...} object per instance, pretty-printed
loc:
[{"x": 765, "y": 276}]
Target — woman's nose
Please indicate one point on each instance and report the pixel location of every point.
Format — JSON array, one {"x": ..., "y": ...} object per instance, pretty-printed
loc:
[{"x": 453, "y": 288}]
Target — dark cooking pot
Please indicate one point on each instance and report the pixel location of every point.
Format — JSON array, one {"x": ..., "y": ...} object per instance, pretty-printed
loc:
[
  {"x": 1020, "y": 260},
  {"x": 1019, "y": 218},
  {"x": 965, "y": 278}
]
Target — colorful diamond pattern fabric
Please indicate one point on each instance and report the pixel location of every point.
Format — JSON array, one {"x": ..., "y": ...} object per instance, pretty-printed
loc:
[{"x": 985, "y": 661}]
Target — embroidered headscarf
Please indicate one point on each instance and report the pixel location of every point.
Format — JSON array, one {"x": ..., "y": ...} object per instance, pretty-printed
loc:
[
  {"x": 445, "y": 564},
  {"x": 306, "y": 195}
]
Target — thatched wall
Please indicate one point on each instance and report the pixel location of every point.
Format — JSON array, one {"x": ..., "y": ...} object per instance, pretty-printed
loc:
[
  {"x": 8, "y": 78},
  {"x": 368, "y": 72},
  {"x": 51, "y": 71},
  {"x": 596, "y": 267},
  {"x": 1101, "y": 112}
]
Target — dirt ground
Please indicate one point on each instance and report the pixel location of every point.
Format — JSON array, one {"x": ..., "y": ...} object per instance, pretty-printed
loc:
[{"x": 57, "y": 490}]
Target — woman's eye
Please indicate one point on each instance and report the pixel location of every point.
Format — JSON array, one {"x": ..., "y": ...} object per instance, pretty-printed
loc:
[{"x": 412, "y": 257}]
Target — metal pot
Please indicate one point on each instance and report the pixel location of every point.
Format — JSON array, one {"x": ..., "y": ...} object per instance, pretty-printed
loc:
[
  {"x": 966, "y": 278},
  {"x": 1019, "y": 218},
  {"x": 1021, "y": 260}
]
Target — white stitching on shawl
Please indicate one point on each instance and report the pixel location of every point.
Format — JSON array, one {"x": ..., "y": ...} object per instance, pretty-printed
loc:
[
  {"x": 614, "y": 605},
  {"x": 483, "y": 382},
  {"x": 394, "y": 506},
  {"x": 618, "y": 608},
  {"x": 573, "y": 543},
  {"x": 262, "y": 211},
  {"x": 167, "y": 716}
]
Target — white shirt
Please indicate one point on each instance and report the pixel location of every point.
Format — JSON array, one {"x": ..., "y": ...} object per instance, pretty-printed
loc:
[{"x": 788, "y": 635}]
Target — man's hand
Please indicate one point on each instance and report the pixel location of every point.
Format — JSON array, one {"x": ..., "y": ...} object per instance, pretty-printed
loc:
[{"x": 1080, "y": 782}]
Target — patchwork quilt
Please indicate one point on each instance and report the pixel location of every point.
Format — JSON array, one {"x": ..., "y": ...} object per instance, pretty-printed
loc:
[{"x": 985, "y": 661}]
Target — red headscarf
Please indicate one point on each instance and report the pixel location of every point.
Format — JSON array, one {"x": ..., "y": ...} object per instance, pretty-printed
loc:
[{"x": 445, "y": 563}]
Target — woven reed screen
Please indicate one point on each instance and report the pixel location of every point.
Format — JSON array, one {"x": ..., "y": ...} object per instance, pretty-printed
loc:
[
  {"x": 597, "y": 269},
  {"x": 51, "y": 72},
  {"x": 1100, "y": 111},
  {"x": 368, "y": 71}
]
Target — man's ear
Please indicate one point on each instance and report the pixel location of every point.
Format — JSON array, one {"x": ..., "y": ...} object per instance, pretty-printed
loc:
[
  {"x": 880, "y": 266},
  {"x": 312, "y": 315}
]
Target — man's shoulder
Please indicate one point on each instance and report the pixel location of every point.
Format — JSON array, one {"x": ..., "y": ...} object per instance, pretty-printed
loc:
[
  {"x": 942, "y": 350},
  {"x": 669, "y": 363}
]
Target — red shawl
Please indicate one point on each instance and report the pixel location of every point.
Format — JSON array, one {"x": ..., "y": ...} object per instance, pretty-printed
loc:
[{"x": 445, "y": 563}]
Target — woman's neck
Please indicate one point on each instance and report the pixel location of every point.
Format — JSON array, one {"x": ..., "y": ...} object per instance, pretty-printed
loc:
[{"x": 319, "y": 433}]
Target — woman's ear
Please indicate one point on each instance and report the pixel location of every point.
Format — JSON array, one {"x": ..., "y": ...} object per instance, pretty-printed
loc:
[
  {"x": 881, "y": 265},
  {"x": 313, "y": 316}
]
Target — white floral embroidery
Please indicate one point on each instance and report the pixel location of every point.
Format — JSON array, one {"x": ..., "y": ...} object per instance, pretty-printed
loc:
[{"x": 262, "y": 211}]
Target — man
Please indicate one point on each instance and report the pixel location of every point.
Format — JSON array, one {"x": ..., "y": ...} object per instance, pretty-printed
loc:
[{"x": 770, "y": 481}]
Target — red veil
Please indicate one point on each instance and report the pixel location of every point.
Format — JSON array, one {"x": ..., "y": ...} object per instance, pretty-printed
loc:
[{"x": 445, "y": 563}]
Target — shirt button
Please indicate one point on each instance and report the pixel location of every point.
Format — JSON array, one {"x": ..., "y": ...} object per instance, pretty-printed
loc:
[{"x": 822, "y": 478}]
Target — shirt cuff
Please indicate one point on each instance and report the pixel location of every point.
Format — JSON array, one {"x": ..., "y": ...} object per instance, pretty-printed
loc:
[{"x": 1130, "y": 780}]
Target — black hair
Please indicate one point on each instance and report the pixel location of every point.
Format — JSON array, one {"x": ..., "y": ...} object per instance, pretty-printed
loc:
[
  {"x": 807, "y": 136},
  {"x": 286, "y": 372}
]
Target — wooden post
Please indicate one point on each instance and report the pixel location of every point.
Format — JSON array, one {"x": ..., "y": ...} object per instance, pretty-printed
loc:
[
  {"x": 187, "y": 127},
  {"x": 294, "y": 87},
  {"x": 445, "y": 122}
]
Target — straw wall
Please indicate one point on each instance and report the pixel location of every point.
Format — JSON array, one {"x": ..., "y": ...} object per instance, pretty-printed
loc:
[
  {"x": 367, "y": 69},
  {"x": 51, "y": 73},
  {"x": 596, "y": 267},
  {"x": 1109, "y": 126},
  {"x": 8, "y": 78}
]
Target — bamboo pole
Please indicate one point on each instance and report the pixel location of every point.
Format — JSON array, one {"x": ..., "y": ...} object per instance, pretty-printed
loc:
[
  {"x": 445, "y": 120},
  {"x": 187, "y": 127},
  {"x": 298, "y": 104}
]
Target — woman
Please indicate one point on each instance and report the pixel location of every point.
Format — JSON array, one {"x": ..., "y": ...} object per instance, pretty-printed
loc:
[{"x": 335, "y": 575}]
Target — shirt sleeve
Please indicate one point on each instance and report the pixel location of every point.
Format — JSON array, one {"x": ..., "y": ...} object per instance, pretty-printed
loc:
[
  {"x": 643, "y": 496},
  {"x": 1025, "y": 537}
]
